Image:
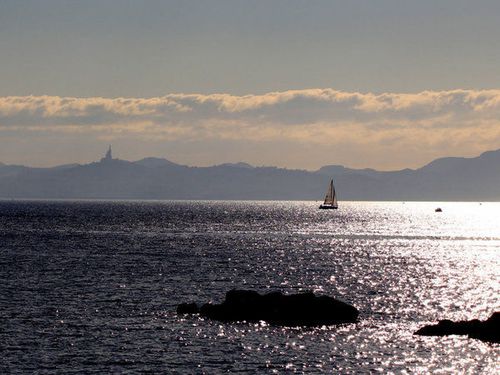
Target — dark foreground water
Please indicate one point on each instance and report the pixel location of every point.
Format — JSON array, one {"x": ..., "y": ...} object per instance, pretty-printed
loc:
[{"x": 91, "y": 287}]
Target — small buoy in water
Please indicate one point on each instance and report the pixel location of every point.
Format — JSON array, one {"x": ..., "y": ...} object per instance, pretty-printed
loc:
[{"x": 438, "y": 209}]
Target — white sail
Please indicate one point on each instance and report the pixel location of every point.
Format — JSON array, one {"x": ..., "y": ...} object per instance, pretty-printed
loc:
[
  {"x": 331, "y": 197},
  {"x": 329, "y": 194},
  {"x": 334, "y": 196}
]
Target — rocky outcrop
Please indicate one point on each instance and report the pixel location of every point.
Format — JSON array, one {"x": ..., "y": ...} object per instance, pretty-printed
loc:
[
  {"x": 188, "y": 308},
  {"x": 487, "y": 330},
  {"x": 303, "y": 309}
]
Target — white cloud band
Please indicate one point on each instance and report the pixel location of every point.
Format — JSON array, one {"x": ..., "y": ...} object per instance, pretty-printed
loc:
[
  {"x": 321, "y": 116},
  {"x": 314, "y": 105}
]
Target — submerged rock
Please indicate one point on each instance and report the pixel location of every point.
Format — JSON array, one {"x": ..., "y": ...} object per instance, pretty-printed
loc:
[
  {"x": 303, "y": 309},
  {"x": 487, "y": 330}
]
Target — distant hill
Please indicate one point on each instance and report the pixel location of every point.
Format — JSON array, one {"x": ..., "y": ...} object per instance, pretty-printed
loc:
[
  {"x": 236, "y": 165},
  {"x": 442, "y": 179},
  {"x": 154, "y": 162},
  {"x": 469, "y": 179}
]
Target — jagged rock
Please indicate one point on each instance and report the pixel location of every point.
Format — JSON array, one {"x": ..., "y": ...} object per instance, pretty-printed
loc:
[
  {"x": 303, "y": 309},
  {"x": 487, "y": 330},
  {"x": 188, "y": 308}
]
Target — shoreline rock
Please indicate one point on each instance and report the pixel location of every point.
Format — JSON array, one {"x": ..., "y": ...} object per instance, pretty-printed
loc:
[
  {"x": 188, "y": 308},
  {"x": 303, "y": 309},
  {"x": 487, "y": 330}
]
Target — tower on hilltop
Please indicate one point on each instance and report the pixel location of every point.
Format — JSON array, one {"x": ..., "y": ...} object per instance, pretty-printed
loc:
[{"x": 108, "y": 156}]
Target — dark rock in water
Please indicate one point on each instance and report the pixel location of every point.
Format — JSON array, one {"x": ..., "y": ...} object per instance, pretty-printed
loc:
[
  {"x": 487, "y": 330},
  {"x": 188, "y": 308},
  {"x": 304, "y": 309}
]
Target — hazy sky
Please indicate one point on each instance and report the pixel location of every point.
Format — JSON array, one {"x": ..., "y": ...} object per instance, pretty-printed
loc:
[{"x": 377, "y": 83}]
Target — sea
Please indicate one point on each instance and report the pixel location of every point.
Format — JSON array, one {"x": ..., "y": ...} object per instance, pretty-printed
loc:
[{"x": 91, "y": 287}]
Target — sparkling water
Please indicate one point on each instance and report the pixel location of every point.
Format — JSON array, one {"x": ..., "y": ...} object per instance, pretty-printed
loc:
[{"x": 92, "y": 286}]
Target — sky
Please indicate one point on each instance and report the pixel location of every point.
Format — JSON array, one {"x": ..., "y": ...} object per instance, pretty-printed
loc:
[{"x": 296, "y": 84}]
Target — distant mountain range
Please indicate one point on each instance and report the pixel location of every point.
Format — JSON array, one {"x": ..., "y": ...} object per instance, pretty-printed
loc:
[{"x": 446, "y": 179}]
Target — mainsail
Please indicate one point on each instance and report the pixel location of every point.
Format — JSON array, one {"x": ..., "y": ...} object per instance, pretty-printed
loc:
[{"x": 331, "y": 197}]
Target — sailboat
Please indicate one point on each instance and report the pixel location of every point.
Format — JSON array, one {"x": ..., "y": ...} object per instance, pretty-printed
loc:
[{"x": 330, "y": 198}]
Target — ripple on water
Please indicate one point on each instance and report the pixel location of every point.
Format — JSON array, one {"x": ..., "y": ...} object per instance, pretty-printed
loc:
[{"x": 92, "y": 286}]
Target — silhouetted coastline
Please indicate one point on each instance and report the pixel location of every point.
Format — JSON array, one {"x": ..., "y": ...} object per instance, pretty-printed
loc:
[{"x": 446, "y": 179}]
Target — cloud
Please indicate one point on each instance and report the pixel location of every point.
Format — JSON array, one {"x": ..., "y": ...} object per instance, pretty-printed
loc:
[
  {"x": 288, "y": 107},
  {"x": 456, "y": 118}
]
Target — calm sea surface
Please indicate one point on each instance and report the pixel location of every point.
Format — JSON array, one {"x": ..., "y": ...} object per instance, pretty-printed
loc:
[{"x": 92, "y": 287}]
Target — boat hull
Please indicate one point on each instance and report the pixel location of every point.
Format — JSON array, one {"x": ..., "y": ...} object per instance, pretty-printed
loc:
[{"x": 327, "y": 207}]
